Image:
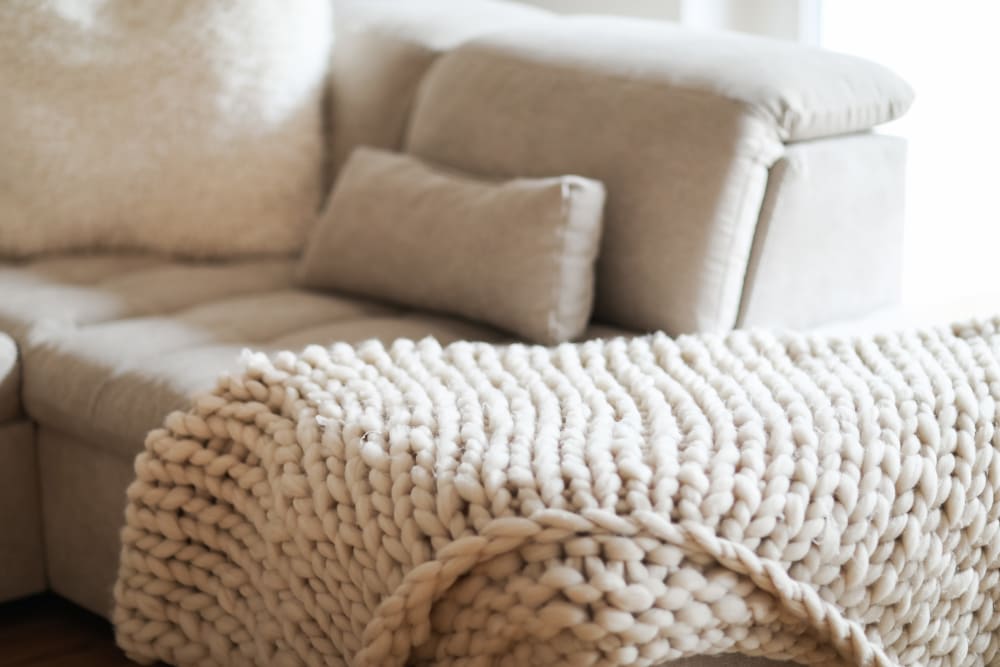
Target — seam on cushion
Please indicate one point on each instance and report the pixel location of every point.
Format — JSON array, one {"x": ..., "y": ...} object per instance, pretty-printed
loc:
[
  {"x": 761, "y": 231},
  {"x": 483, "y": 52},
  {"x": 60, "y": 418},
  {"x": 96, "y": 433},
  {"x": 106, "y": 380},
  {"x": 411, "y": 107},
  {"x": 559, "y": 329},
  {"x": 140, "y": 311},
  {"x": 189, "y": 306},
  {"x": 95, "y": 396},
  {"x": 772, "y": 204},
  {"x": 54, "y": 284},
  {"x": 124, "y": 274},
  {"x": 406, "y": 315},
  {"x": 176, "y": 312},
  {"x": 29, "y": 266},
  {"x": 557, "y": 316},
  {"x": 720, "y": 316},
  {"x": 231, "y": 339},
  {"x": 293, "y": 327},
  {"x": 270, "y": 342}
]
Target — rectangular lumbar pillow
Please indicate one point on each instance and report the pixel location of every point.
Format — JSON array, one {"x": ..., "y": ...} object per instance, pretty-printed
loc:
[
  {"x": 191, "y": 128},
  {"x": 517, "y": 254}
]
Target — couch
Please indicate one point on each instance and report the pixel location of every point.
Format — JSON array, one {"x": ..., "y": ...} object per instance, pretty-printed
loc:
[{"x": 746, "y": 188}]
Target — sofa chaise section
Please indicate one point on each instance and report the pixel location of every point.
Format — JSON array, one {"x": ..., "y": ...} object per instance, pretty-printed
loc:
[{"x": 110, "y": 345}]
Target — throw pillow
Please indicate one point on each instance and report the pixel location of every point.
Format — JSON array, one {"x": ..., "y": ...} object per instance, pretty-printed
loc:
[{"x": 517, "y": 254}]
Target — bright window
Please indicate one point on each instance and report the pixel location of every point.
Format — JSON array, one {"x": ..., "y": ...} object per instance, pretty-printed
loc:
[{"x": 950, "y": 53}]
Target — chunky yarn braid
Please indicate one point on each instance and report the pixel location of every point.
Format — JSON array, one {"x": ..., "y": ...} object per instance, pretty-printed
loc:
[{"x": 614, "y": 502}]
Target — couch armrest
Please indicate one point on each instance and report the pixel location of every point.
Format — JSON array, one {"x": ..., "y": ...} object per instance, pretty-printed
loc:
[{"x": 803, "y": 92}]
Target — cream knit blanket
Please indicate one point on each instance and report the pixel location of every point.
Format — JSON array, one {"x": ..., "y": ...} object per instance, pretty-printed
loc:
[{"x": 620, "y": 502}]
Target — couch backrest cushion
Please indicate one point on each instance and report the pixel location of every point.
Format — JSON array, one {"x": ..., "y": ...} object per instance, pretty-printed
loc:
[
  {"x": 685, "y": 172},
  {"x": 681, "y": 127},
  {"x": 383, "y": 50},
  {"x": 193, "y": 128}
]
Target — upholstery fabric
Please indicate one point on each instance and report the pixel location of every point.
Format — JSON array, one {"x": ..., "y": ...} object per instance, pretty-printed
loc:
[
  {"x": 10, "y": 379},
  {"x": 628, "y": 501},
  {"x": 186, "y": 128},
  {"x": 64, "y": 292},
  {"x": 22, "y": 560},
  {"x": 112, "y": 383},
  {"x": 110, "y": 344},
  {"x": 799, "y": 91},
  {"x": 681, "y": 127},
  {"x": 685, "y": 173},
  {"x": 828, "y": 245},
  {"x": 516, "y": 254},
  {"x": 383, "y": 50},
  {"x": 82, "y": 504}
]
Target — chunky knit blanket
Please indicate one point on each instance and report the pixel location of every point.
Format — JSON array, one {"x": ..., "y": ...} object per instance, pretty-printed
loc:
[{"x": 618, "y": 502}]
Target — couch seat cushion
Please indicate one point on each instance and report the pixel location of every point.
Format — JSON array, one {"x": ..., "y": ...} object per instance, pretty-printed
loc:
[
  {"x": 10, "y": 379},
  {"x": 111, "y": 345},
  {"x": 71, "y": 291}
]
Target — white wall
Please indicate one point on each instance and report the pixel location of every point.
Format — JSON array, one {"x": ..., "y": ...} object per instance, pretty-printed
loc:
[
  {"x": 950, "y": 53},
  {"x": 784, "y": 19},
  {"x": 657, "y": 9}
]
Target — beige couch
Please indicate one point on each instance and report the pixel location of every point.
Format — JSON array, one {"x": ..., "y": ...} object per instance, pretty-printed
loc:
[{"x": 745, "y": 188}]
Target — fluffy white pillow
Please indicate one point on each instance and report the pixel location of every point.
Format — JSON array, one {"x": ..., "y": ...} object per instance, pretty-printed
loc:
[{"x": 192, "y": 128}]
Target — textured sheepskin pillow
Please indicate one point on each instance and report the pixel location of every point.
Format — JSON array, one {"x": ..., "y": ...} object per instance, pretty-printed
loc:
[
  {"x": 189, "y": 127},
  {"x": 517, "y": 254}
]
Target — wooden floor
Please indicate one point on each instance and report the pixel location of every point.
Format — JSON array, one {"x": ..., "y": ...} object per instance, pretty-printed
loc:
[{"x": 47, "y": 631}]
